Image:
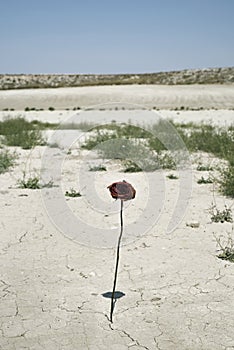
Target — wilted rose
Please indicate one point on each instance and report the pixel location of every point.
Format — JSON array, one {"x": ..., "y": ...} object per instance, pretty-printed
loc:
[{"x": 122, "y": 190}]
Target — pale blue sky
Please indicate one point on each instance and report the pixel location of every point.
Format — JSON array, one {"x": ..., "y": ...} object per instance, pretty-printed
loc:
[{"x": 122, "y": 36}]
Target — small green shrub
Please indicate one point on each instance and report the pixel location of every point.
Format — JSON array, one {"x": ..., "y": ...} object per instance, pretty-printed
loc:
[
  {"x": 7, "y": 160},
  {"x": 222, "y": 216},
  {"x": 72, "y": 193},
  {"x": 172, "y": 177},
  {"x": 202, "y": 180},
  {"x": 51, "y": 108},
  {"x": 30, "y": 182},
  {"x": 226, "y": 247}
]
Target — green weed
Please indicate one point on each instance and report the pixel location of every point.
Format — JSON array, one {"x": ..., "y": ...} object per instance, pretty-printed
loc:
[
  {"x": 72, "y": 193},
  {"x": 226, "y": 247},
  {"x": 222, "y": 216},
  {"x": 31, "y": 183}
]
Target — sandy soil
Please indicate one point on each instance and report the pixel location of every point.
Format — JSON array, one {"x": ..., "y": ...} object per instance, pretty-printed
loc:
[
  {"x": 160, "y": 96},
  {"x": 221, "y": 117},
  {"x": 55, "y": 263}
]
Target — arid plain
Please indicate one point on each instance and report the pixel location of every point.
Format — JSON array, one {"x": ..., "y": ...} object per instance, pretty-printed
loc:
[{"x": 57, "y": 252}]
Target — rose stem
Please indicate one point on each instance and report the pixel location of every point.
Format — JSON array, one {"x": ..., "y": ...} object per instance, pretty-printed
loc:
[{"x": 117, "y": 262}]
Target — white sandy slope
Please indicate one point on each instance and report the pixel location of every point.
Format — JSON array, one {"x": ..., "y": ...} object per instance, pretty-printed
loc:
[
  {"x": 178, "y": 294},
  {"x": 149, "y": 96}
]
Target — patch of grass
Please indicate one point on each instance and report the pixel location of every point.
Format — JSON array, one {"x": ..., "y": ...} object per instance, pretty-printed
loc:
[
  {"x": 98, "y": 168},
  {"x": 202, "y": 180},
  {"x": 72, "y": 193},
  {"x": 172, "y": 177},
  {"x": 197, "y": 137},
  {"x": 210, "y": 139},
  {"x": 122, "y": 130},
  {"x": 130, "y": 143},
  {"x": 132, "y": 150},
  {"x": 116, "y": 148},
  {"x": 20, "y": 132},
  {"x": 218, "y": 141},
  {"x": 226, "y": 247},
  {"x": 7, "y": 160},
  {"x": 129, "y": 132}
]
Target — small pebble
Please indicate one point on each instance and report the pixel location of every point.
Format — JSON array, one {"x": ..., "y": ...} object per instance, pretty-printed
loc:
[{"x": 193, "y": 224}]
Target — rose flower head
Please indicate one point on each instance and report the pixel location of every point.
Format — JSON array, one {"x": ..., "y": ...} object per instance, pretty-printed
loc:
[{"x": 122, "y": 190}]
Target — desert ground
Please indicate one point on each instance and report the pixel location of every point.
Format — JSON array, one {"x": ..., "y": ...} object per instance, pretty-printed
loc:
[{"x": 58, "y": 253}]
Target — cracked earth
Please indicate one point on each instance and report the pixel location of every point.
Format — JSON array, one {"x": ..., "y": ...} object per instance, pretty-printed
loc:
[{"x": 178, "y": 294}]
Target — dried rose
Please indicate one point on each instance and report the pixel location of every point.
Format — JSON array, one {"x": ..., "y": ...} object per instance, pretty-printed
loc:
[{"x": 122, "y": 190}]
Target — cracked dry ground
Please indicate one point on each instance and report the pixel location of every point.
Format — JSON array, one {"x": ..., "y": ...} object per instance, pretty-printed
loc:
[{"x": 178, "y": 294}]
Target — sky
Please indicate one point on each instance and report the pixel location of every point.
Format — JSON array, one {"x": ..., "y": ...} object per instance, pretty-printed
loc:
[{"x": 111, "y": 37}]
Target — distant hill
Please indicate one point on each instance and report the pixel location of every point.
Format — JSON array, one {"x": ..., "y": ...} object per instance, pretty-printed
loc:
[{"x": 188, "y": 76}]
